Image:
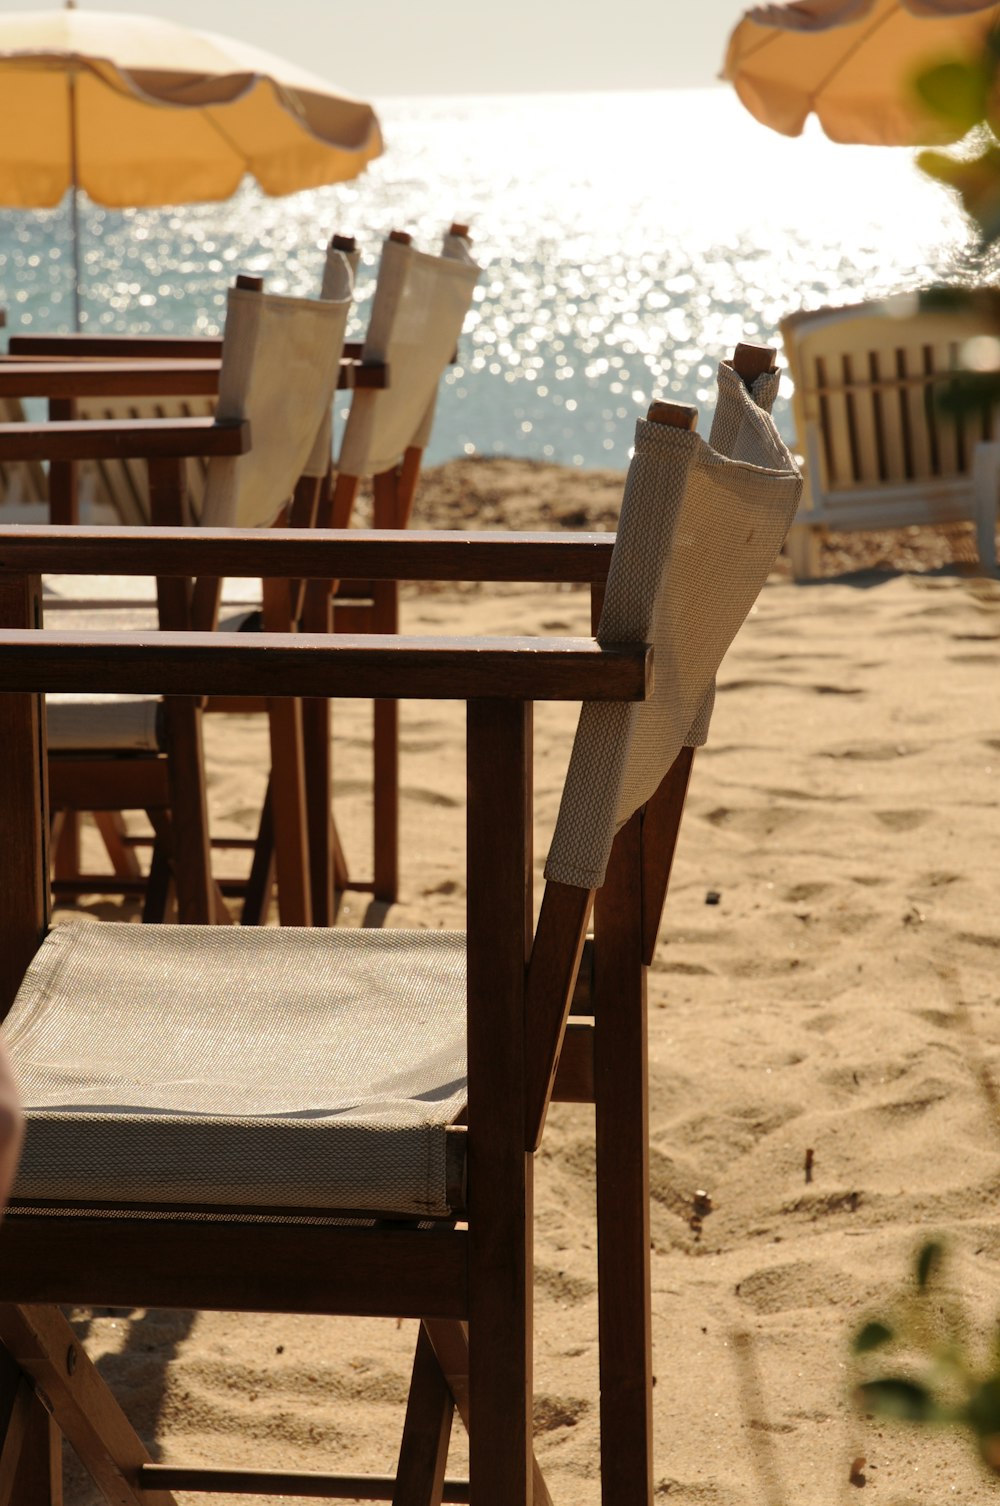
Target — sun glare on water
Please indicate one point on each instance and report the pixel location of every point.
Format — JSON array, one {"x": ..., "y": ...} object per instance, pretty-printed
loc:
[{"x": 628, "y": 241}]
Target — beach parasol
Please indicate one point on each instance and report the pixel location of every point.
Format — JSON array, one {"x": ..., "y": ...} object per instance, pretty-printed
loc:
[
  {"x": 853, "y": 63},
  {"x": 139, "y": 111}
]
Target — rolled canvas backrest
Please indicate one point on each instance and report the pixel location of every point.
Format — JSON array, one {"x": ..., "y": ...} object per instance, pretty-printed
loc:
[
  {"x": 868, "y": 379},
  {"x": 280, "y": 361},
  {"x": 698, "y": 533},
  {"x": 340, "y": 249},
  {"x": 417, "y": 315}
]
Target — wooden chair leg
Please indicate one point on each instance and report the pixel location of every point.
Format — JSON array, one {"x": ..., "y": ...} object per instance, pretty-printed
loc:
[
  {"x": 450, "y": 1342},
  {"x": 44, "y": 1346},
  {"x": 261, "y": 880},
  {"x": 31, "y": 1448},
  {"x": 189, "y": 805},
  {"x": 385, "y": 619},
  {"x": 327, "y": 866},
  {"x": 317, "y": 735},
  {"x": 111, "y": 826},
  {"x": 500, "y": 1170},
  {"x": 291, "y": 847},
  {"x": 621, "y": 1111},
  {"x": 423, "y": 1452},
  {"x": 66, "y": 857},
  {"x": 159, "y": 881}
]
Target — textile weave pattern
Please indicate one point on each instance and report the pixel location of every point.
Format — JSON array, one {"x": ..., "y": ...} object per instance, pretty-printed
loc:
[
  {"x": 698, "y": 534},
  {"x": 286, "y": 1068}
]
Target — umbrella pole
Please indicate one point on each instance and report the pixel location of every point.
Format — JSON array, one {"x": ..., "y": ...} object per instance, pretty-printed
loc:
[{"x": 74, "y": 203}]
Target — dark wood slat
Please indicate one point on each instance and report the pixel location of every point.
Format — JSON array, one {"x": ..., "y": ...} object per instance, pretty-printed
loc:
[
  {"x": 15, "y": 1435},
  {"x": 279, "y": 664},
  {"x": 282, "y": 1483},
  {"x": 24, "y": 878},
  {"x": 583, "y": 994},
  {"x": 146, "y": 377},
  {"x": 423, "y": 1451},
  {"x": 65, "y": 346},
  {"x": 123, "y": 439},
  {"x": 621, "y": 1098},
  {"x": 500, "y": 1172},
  {"x": 42, "y": 1342},
  {"x": 143, "y": 378},
  {"x": 105, "y": 783},
  {"x": 555, "y": 959},
  {"x": 31, "y": 1461},
  {"x": 231, "y": 1267},
  {"x": 387, "y": 554},
  {"x": 661, "y": 821},
  {"x": 575, "y": 1074},
  {"x": 451, "y": 1347}
]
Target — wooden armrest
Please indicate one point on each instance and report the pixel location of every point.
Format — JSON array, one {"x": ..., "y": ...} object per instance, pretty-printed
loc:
[
  {"x": 124, "y": 439},
  {"x": 185, "y": 347},
  {"x": 304, "y": 554},
  {"x": 117, "y": 378},
  {"x": 314, "y": 664},
  {"x": 164, "y": 376}
]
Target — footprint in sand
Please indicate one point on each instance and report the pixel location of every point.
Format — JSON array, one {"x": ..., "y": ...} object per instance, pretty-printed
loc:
[
  {"x": 874, "y": 752},
  {"x": 800, "y": 892},
  {"x": 552, "y": 1412},
  {"x": 802, "y": 1284},
  {"x": 429, "y": 797},
  {"x": 902, "y": 820}
]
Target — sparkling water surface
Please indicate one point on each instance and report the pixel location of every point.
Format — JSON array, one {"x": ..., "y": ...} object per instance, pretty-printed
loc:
[{"x": 627, "y": 240}]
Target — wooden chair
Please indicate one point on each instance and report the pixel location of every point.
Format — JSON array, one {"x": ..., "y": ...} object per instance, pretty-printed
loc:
[
  {"x": 154, "y": 388},
  {"x": 279, "y": 367},
  {"x": 418, "y": 310},
  {"x": 879, "y": 451},
  {"x": 413, "y": 1199}
]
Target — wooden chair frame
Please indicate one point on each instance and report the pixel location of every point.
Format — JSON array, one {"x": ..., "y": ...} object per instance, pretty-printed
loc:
[
  {"x": 157, "y": 784},
  {"x": 468, "y": 1281}
]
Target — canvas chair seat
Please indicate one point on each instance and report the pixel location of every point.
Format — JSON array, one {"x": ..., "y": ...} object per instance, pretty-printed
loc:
[
  {"x": 109, "y": 723},
  {"x": 287, "y": 1069}
]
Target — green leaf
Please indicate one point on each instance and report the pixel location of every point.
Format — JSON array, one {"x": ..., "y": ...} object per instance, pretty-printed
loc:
[
  {"x": 872, "y": 1336},
  {"x": 929, "y": 1259},
  {"x": 976, "y": 180},
  {"x": 897, "y": 1397},
  {"x": 957, "y": 93}
]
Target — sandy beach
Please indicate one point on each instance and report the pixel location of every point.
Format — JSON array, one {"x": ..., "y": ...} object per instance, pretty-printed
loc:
[{"x": 841, "y": 996}]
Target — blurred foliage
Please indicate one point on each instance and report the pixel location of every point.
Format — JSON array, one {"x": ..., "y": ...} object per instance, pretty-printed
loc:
[
  {"x": 965, "y": 96},
  {"x": 917, "y": 1362}
]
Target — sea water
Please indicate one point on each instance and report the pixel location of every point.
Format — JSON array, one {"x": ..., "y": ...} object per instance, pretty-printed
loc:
[{"x": 627, "y": 240}]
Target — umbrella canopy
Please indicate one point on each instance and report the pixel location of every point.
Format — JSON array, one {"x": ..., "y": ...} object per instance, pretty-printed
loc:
[
  {"x": 853, "y": 62},
  {"x": 139, "y": 111}
]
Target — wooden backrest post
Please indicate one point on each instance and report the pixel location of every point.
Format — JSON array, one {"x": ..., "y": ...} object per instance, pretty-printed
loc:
[
  {"x": 751, "y": 361},
  {"x": 24, "y": 825}
]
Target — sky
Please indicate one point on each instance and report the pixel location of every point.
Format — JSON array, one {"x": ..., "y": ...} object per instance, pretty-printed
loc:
[{"x": 389, "y": 47}]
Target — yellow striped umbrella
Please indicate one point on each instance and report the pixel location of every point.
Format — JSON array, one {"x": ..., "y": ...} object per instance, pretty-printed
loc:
[
  {"x": 853, "y": 63},
  {"x": 139, "y": 111}
]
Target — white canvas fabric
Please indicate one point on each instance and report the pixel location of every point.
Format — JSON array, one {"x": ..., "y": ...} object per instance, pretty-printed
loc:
[
  {"x": 124, "y": 724},
  {"x": 280, "y": 361},
  {"x": 417, "y": 315},
  {"x": 331, "y": 288},
  {"x": 698, "y": 534},
  {"x": 285, "y": 1068}
]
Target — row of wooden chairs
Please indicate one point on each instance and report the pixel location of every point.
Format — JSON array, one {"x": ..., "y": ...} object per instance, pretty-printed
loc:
[
  {"x": 292, "y": 1120},
  {"x": 149, "y": 756}
]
